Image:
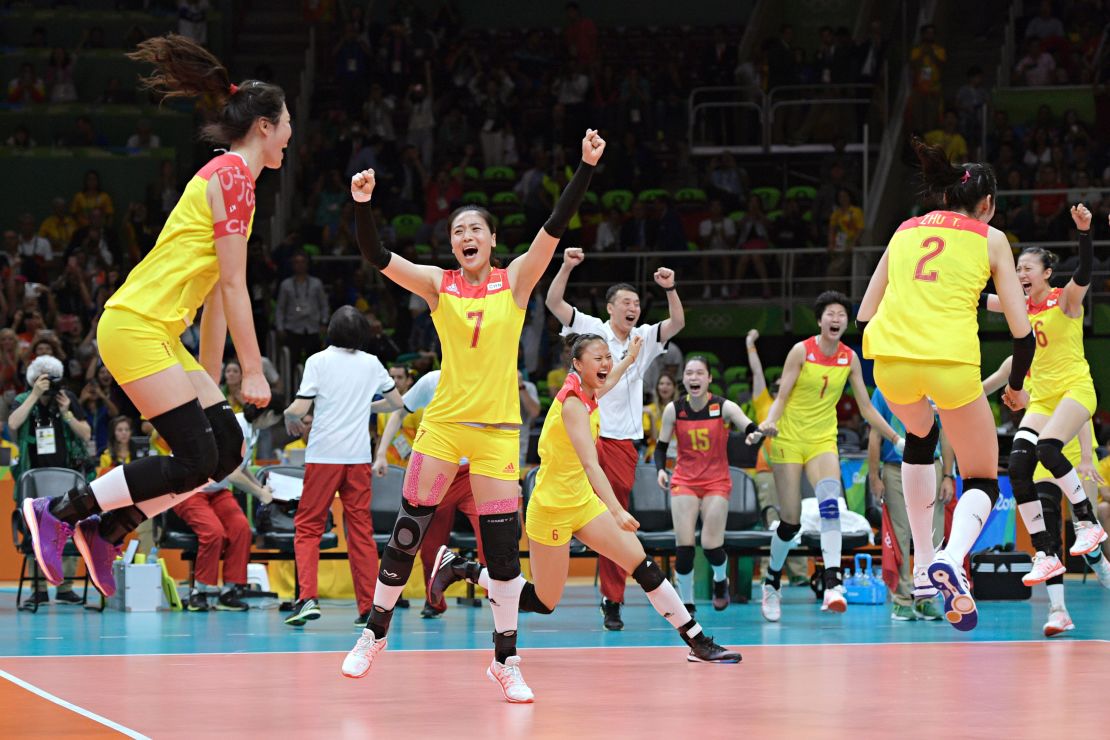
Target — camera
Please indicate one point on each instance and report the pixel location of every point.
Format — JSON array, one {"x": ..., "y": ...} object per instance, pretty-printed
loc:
[{"x": 54, "y": 389}]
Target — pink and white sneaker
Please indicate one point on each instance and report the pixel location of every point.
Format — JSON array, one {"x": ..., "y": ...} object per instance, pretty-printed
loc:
[
  {"x": 834, "y": 600},
  {"x": 1088, "y": 536},
  {"x": 1044, "y": 567},
  {"x": 1058, "y": 622},
  {"x": 508, "y": 676},
  {"x": 358, "y": 661}
]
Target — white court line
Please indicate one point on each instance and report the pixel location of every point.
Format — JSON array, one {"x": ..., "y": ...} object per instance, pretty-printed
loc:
[{"x": 73, "y": 707}]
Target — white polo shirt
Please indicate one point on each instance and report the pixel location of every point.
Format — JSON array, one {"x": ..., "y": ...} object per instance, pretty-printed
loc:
[{"x": 622, "y": 409}]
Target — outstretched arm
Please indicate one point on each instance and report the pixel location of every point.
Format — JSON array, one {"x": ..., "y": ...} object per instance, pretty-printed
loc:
[
  {"x": 759, "y": 382},
  {"x": 676, "y": 319},
  {"x": 572, "y": 257},
  {"x": 1076, "y": 289},
  {"x": 997, "y": 379}
]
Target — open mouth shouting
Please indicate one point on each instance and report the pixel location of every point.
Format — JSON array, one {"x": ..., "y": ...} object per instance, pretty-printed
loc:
[
  {"x": 1025, "y": 285},
  {"x": 469, "y": 252},
  {"x": 835, "y": 329}
]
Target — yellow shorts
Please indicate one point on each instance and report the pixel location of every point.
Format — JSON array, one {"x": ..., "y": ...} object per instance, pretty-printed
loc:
[
  {"x": 950, "y": 385},
  {"x": 135, "y": 347},
  {"x": 1083, "y": 394},
  {"x": 781, "y": 451},
  {"x": 492, "y": 451},
  {"x": 555, "y": 526}
]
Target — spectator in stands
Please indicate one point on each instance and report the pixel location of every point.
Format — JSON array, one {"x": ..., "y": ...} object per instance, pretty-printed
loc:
[
  {"x": 716, "y": 233},
  {"x": 1048, "y": 208},
  {"x": 1044, "y": 25},
  {"x": 927, "y": 60},
  {"x": 84, "y": 134},
  {"x": 949, "y": 139},
  {"x": 1018, "y": 209},
  {"x": 71, "y": 290},
  {"x": 139, "y": 233},
  {"x": 302, "y": 311},
  {"x": 33, "y": 246},
  {"x": 377, "y": 112},
  {"x": 96, "y": 399},
  {"x": 120, "y": 448},
  {"x": 1037, "y": 68},
  {"x": 115, "y": 94},
  {"x": 28, "y": 87},
  {"x": 59, "y": 76},
  {"x": 580, "y": 36},
  {"x": 442, "y": 193},
  {"x": 826, "y": 199},
  {"x": 21, "y": 139},
  {"x": 12, "y": 364},
  {"x": 1084, "y": 192},
  {"x": 421, "y": 114},
  {"x": 845, "y": 227},
  {"x": 663, "y": 392},
  {"x": 870, "y": 54},
  {"x": 326, "y": 204},
  {"x": 381, "y": 345},
  {"x": 669, "y": 236},
  {"x": 727, "y": 181},
  {"x": 971, "y": 99},
  {"x": 529, "y": 412},
  {"x": 608, "y": 237},
  {"x": 192, "y": 20},
  {"x": 163, "y": 194},
  {"x": 232, "y": 387},
  {"x": 38, "y": 38},
  {"x": 635, "y": 98},
  {"x": 144, "y": 136},
  {"x": 93, "y": 38},
  {"x": 59, "y": 226},
  {"x": 753, "y": 233},
  {"x": 91, "y": 198},
  {"x": 634, "y": 233},
  {"x": 95, "y": 239}
]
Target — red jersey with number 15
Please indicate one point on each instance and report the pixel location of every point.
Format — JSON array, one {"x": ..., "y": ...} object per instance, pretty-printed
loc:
[{"x": 702, "y": 445}]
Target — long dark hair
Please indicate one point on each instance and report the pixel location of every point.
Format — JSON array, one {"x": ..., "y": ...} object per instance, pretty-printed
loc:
[
  {"x": 185, "y": 69},
  {"x": 959, "y": 186},
  {"x": 578, "y": 344}
]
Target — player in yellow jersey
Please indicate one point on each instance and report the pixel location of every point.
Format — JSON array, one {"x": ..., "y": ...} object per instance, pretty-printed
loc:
[
  {"x": 200, "y": 258},
  {"x": 802, "y": 427},
  {"x": 921, "y": 327},
  {"x": 478, "y": 311},
  {"x": 564, "y": 505}
]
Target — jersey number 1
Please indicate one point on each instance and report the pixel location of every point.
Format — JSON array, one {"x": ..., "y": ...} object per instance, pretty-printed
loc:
[
  {"x": 477, "y": 316},
  {"x": 937, "y": 246}
]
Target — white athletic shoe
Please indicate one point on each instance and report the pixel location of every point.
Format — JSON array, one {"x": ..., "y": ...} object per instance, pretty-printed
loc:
[
  {"x": 358, "y": 661},
  {"x": 923, "y": 588},
  {"x": 1102, "y": 570},
  {"x": 508, "y": 676},
  {"x": 771, "y": 605},
  {"x": 1088, "y": 536},
  {"x": 834, "y": 600},
  {"x": 1044, "y": 567},
  {"x": 1058, "y": 622}
]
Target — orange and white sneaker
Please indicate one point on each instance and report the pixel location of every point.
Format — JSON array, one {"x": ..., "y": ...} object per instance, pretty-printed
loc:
[
  {"x": 771, "y": 605},
  {"x": 508, "y": 676},
  {"x": 1044, "y": 567},
  {"x": 1058, "y": 622},
  {"x": 1088, "y": 536},
  {"x": 358, "y": 661},
  {"x": 834, "y": 600}
]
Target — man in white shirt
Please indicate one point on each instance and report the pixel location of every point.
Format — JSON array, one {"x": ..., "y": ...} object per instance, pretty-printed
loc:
[
  {"x": 622, "y": 408},
  {"x": 341, "y": 382},
  {"x": 31, "y": 245}
]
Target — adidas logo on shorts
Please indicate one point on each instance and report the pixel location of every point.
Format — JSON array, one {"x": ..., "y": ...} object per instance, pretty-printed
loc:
[{"x": 510, "y": 468}]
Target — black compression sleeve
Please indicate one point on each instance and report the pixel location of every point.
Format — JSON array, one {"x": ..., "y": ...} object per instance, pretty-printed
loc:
[
  {"x": 1082, "y": 276},
  {"x": 367, "y": 236},
  {"x": 1024, "y": 349},
  {"x": 983, "y": 298},
  {"x": 751, "y": 429},
  {"x": 569, "y": 201},
  {"x": 661, "y": 455}
]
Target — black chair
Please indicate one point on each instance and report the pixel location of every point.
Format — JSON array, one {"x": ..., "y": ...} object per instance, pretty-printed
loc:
[
  {"x": 385, "y": 503},
  {"x": 283, "y": 541},
  {"x": 742, "y": 533},
  {"x": 40, "y": 483},
  {"x": 651, "y": 505}
]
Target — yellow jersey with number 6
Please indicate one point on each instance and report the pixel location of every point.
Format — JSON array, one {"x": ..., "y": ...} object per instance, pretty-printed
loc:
[
  {"x": 1059, "y": 363},
  {"x": 937, "y": 266},
  {"x": 561, "y": 482},
  {"x": 479, "y": 333},
  {"x": 810, "y": 414}
]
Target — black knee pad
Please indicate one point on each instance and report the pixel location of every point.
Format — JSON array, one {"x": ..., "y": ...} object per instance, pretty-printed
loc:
[
  {"x": 988, "y": 486},
  {"x": 1051, "y": 454},
  {"x": 648, "y": 575},
  {"x": 531, "y": 602},
  {"x": 189, "y": 435},
  {"x": 787, "y": 532},
  {"x": 684, "y": 559},
  {"x": 229, "y": 439},
  {"x": 716, "y": 556},
  {"x": 921, "y": 450},
  {"x": 1051, "y": 496},
  {"x": 1023, "y": 463},
  {"x": 408, "y": 531},
  {"x": 501, "y": 544}
]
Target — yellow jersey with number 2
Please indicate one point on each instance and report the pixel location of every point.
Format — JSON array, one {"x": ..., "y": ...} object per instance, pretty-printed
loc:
[
  {"x": 810, "y": 414},
  {"x": 479, "y": 332},
  {"x": 937, "y": 266}
]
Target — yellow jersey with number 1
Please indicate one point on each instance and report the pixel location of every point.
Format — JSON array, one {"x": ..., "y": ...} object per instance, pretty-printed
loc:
[
  {"x": 479, "y": 333},
  {"x": 937, "y": 266},
  {"x": 1059, "y": 363},
  {"x": 810, "y": 414}
]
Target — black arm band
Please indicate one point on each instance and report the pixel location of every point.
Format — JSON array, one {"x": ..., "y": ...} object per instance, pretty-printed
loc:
[
  {"x": 660, "y": 456},
  {"x": 861, "y": 325},
  {"x": 1082, "y": 275},
  {"x": 983, "y": 298},
  {"x": 751, "y": 429},
  {"x": 1024, "y": 350},
  {"x": 569, "y": 201},
  {"x": 367, "y": 236}
]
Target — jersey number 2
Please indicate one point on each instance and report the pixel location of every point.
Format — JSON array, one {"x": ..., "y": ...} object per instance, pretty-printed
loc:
[
  {"x": 937, "y": 246},
  {"x": 477, "y": 316}
]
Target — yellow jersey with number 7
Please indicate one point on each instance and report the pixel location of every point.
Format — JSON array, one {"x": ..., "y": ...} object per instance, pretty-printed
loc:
[
  {"x": 937, "y": 266},
  {"x": 479, "y": 334},
  {"x": 810, "y": 414}
]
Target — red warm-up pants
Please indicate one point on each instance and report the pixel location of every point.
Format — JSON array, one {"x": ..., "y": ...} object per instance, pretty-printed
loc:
[
  {"x": 459, "y": 497},
  {"x": 618, "y": 458},
  {"x": 222, "y": 530},
  {"x": 321, "y": 481}
]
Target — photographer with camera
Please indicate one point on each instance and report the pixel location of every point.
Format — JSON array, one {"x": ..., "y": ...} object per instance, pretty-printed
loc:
[{"x": 48, "y": 425}]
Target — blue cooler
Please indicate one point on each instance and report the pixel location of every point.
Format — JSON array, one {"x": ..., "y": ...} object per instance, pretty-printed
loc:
[{"x": 865, "y": 585}]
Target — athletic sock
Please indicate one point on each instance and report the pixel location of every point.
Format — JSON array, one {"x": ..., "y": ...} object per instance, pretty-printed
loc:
[
  {"x": 483, "y": 578},
  {"x": 919, "y": 487},
  {"x": 1056, "y": 594},
  {"x": 831, "y": 546},
  {"x": 685, "y": 583},
  {"x": 971, "y": 514},
  {"x": 670, "y": 607},
  {"x": 780, "y": 548},
  {"x": 718, "y": 561},
  {"x": 1083, "y": 510},
  {"x": 1032, "y": 514},
  {"x": 1072, "y": 487},
  {"x": 504, "y": 599},
  {"x": 720, "y": 572},
  {"x": 773, "y": 577}
]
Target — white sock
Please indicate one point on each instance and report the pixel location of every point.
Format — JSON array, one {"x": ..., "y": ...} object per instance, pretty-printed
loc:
[
  {"x": 1072, "y": 488},
  {"x": 504, "y": 599},
  {"x": 685, "y": 583},
  {"x": 483, "y": 579},
  {"x": 1033, "y": 516},
  {"x": 110, "y": 490},
  {"x": 720, "y": 572},
  {"x": 971, "y": 514},
  {"x": 386, "y": 596},
  {"x": 666, "y": 602},
  {"x": 919, "y": 486},
  {"x": 1056, "y": 595},
  {"x": 831, "y": 544},
  {"x": 780, "y": 548}
]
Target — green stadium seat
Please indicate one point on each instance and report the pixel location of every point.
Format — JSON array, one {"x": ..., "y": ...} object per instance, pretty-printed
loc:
[
  {"x": 652, "y": 194},
  {"x": 499, "y": 174},
  {"x": 522, "y": 247},
  {"x": 717, "y": 389},
  {"x": 735, "y": 390},
  {"x": 471, "y": 173},
  {"x": 738, "y": 215},
  {"x": 772, "y": 373},
  {"x": 711, "y": 357},
  {"x": 506, "y": 197},
  {"x": 736, "y": 373},
  {"x": 406, "y": 225},
  {"x": 591, "y": 198},
  {"x": 687, "y": 195},
  {"x": 620, "y": 199},
  {"x": 774, "y": 215},
  {"x": 424, "y": 250},
  {"x": 692, "y": 246},
  {"x": 476, "y": 198},
  {"x": 501, "y": 249},
  {"x": 513, "y": 220},
  {"x": 770, "y": 197},
  {"x": 801, "y": 192}
]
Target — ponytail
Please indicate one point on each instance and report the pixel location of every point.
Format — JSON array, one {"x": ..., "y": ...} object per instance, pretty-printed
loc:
[{"x": 958, "y": 186}]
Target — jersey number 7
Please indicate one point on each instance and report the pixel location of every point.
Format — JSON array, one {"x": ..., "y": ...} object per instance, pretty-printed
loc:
[{"x": 477, "y": 316}]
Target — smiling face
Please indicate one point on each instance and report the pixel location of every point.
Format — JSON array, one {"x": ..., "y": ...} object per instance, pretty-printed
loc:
[
  {"x": 624, "y": 310},
  {"x": 833, "y": 321},
  {"x": 400, "y": 378},
  {"x": 1032, "y": 274},
  {"x": 275, "y": 138},
  {"x": 593, "y": 364},
  {"x": 233, "y": 374},
  {"x": 471, "y": 240},
  {"x": 664, "y": 389},
  {"x": 696, "y": 378}
]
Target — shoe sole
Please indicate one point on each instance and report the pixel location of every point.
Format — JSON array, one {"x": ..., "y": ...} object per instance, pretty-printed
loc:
[
  {"x": 896, "y": 618},
  {"x": 221, "y": 608},
  {"x": 1059, "y": 571},
  {"x": 356, "y": 675},
  {"x": 435, "y": 570},
  {"x": 691, "y": 658},
  {"x": 769, "y": 618},
  {"x": 298, "y": 620},
  {"x": 1078, "y": 553},
  {"x": 721, "y": 607},
  {"x": 837, "y": 606},
  {"x": 32, "y": 522},
  {"x": 86, "y": 555},
  {"x": 959, "y": 606},
  {"x": 491, "y": 677},
  {"x": 1056, "y": 631}
]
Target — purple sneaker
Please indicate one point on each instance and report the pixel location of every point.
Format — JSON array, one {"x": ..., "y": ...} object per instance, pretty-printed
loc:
[
  {"x": 48, "y": 537},
  {"x": 99, "y": 554}
]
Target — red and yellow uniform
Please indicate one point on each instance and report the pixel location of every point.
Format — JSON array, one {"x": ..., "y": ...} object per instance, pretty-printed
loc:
[
  {"x": 1059, "y": 367},
  {"x": 563, "y": 500},
  {"x": 139, "y": 333},
  {"x": 807, "y": 428},
  {"x": 400, "y": 447},
  {"x": 702, "y": 465},
  {"x": 924, "y": 337},
  {"x": 476, "y": 409}
]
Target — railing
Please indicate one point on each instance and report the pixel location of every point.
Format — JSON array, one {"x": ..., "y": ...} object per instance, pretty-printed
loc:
[
  {"x": 1006, "y": 63},
  {"x": 283, "y": 200}
]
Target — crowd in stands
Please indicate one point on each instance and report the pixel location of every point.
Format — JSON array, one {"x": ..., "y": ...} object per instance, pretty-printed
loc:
[{"x": 1060, "y": 44}]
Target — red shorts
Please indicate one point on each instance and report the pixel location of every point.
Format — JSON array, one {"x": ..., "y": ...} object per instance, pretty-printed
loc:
[{"x": 702, "y": 490}]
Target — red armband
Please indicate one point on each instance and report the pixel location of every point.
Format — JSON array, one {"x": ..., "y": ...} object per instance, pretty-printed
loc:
[{"x": 237, "y": 190}]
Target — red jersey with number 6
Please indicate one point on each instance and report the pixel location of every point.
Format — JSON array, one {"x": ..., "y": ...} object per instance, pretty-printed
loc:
[{"x": 702, "y": 445}]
